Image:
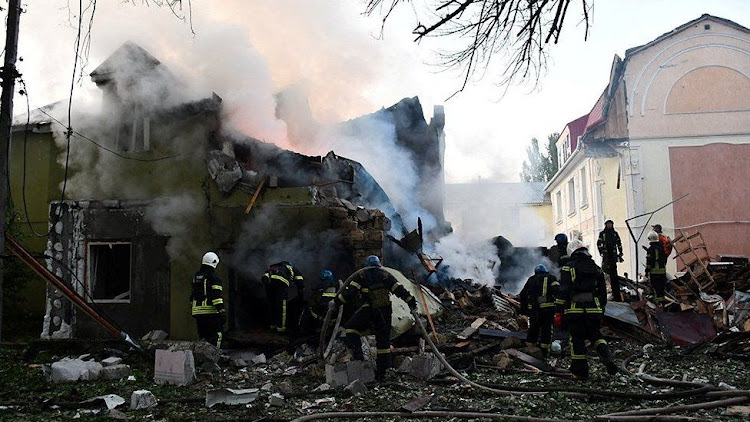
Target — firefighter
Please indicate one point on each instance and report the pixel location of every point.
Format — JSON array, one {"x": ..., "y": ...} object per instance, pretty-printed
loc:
[
  {"x": 558, "y": 253},
  {"x": 664, "y": 239},
  {"x": 580, "y": 306},
  {"x": 285, "y": 302},
  {"x": 312, "y": 318},
  {"x": 538, "y": 303},
  {"x": 375, "y": 286},
  {"x": 610, "y": 248},
  {"x": 207, "y": 302},
  {"x": 656, "y": 262}
]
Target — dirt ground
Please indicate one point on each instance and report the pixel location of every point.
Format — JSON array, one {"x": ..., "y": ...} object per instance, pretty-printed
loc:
[{"x": 26, "y": 394}]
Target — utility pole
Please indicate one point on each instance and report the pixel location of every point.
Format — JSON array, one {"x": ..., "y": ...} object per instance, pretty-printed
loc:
[{"x": 8, "y": 75}]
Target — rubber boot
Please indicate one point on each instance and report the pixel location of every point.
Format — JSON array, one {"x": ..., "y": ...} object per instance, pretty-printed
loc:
[
  {"x": 383, "y": 362},
  {"x": 354, "y": 342}
]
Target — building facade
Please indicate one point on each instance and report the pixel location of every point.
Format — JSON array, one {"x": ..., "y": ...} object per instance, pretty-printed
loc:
[{"x": 673, "y": 124}]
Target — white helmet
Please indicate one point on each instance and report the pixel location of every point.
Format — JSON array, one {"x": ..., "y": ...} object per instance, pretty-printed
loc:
[
  {"x": 653, "y": 236},
  {"x": 574, "y": 245},
  {"x": 211, "y": 259}
]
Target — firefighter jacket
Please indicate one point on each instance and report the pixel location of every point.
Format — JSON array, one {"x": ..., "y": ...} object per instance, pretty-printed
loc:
[
  {"x": 582, "y": 286},
  {"x": 609, "y": 244},
  {"x": 320, "y": 301},
  {"x": 206, "y": 296},
  {"x": 558, "y": 254},
  {"x": 286, "y": 273},
  {"x": 375, "y": 286},
  {"x": 656, "y": 259},
  {"x": 539, "y": 292}
]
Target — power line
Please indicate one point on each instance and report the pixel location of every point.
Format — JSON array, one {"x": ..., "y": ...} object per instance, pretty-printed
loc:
[{"x": 117, "y": 153}]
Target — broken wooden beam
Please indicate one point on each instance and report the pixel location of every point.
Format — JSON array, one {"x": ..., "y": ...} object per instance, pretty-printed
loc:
[
  {"x": 471, "y": 329},
  {"x": 260, "y": 187}
]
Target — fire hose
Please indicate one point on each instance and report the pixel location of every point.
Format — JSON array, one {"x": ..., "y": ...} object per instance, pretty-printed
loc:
[{"x": 698, "y": 389}]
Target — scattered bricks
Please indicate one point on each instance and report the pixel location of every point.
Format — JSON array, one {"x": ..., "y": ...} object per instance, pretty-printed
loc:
[
  {"x": 92, "y": 372},
  {"x": 155, "y": 335},
  {"x": 405, "y": 366},
  {"x": 336, "y": 375},
  {"x": 322, "y": 387},
  {"x": 356, "y": 387},
  {"x": 142, "y": 399},
  {"x": 115, "y": 372},
  {"x": 533, "y": 351},
  {"x": 353, "y": 370},
  {"x": 425, "y": 366},
  {"x": 276, "y": 400},
  {"x": 368, "y": 372},
  {"x": 501, "y": 360},
  {"x": 511, "y": 342},
  {"x": 176, "y": 368},
  {"x": 205, "y": 352},
  {"x": 111, "y": 361},
  {"x": 68, "y": 370}
]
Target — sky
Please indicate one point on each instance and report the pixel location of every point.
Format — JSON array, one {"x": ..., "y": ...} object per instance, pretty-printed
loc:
[{"x": 246, "y": 51}]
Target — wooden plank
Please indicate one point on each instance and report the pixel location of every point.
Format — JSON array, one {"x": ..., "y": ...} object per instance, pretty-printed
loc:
[
  {"x": 471, "y": 329},
  {"x": 260, "y": 187},
  {"x": 536, "y": 363}
]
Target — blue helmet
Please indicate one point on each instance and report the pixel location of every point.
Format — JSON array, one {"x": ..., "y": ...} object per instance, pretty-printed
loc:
[
  {"x": 561, "y": 238},
  {"x": 326, "y": 275},
  {"x": 372, "y": 261},
  {"x": 290, "y": 263},
  {"x": 541, "y": 268}
]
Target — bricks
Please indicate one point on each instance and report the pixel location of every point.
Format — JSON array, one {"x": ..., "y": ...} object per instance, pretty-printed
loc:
[
  {"x": 142, "y": 399},
  {"x": 356, "y": 387},
  {"x": 115, "y": 372},
  {"x": 336, "y": 375},
  {"x": 344, "y": 374},
  {"x": 425, "y": 366},
  {"x": 176, "y": 368},
  {"x": 111, "y": 361}
]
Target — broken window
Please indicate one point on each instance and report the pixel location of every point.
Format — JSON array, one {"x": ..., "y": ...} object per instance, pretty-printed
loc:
[
  {"x": 109, "y": 271},
  {"x": 134, "y": 132}
]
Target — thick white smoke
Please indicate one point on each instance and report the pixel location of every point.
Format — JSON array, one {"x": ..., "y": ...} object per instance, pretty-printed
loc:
[
  {"x": 167, "y": 216},
  {"x": 478, "y": 261}
]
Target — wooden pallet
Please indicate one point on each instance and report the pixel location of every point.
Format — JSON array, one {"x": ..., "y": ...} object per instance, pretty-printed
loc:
[{"x": 692, "y": 252}]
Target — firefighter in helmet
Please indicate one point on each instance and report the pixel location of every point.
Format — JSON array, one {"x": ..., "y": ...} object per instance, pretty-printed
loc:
[
  {"x": 656, "y": 262},
  {"x": 207, "y": 301},
  {"x": 375, "y": 286},
  {"x": 538, "y": 303},
  {"x": 285, "y": 291},
  {"x": 580, "y": 308},
  {"x": 312, "y": 318}
]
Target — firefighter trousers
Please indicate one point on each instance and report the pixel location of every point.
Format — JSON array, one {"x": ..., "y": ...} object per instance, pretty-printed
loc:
[
  {"x": 540, "y": 328},
  {"x": 609, "y": 266},
  {"x": 659, "y": 283},
  {"x": 582, "y": 327},
  {"x": 278, "y": 298},
  {"x": 380, "y": 321},
  {"x": 210, "y": 327}
]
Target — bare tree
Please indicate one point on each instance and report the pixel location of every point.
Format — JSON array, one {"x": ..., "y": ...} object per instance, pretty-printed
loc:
[{"x": 516, "y": 30}]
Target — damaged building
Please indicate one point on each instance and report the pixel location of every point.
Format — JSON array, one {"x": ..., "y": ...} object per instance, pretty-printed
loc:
[{"x": 155, "y": 179}]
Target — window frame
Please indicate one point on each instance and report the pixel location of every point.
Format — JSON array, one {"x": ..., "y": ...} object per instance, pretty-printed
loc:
[{"x": 90, "y": 273}]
